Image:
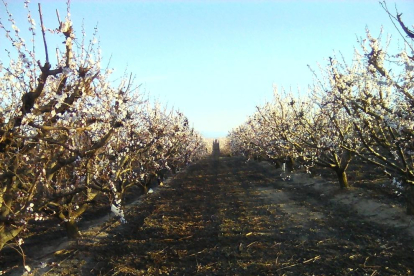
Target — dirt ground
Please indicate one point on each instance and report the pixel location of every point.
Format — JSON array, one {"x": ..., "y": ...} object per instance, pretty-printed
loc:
[{"x": 226, "y": 216}]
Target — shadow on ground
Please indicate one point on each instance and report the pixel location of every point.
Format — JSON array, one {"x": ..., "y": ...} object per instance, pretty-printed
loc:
[{"x": 225, "y": 216}]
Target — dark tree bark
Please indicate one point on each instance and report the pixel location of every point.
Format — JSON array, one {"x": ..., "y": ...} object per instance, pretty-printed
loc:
[
  {"x": 342, "y": 178},
  {"x": 72, "y": 229}
]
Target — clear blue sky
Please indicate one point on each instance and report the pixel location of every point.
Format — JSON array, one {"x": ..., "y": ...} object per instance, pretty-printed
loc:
[{"x": 217, "y": 60}]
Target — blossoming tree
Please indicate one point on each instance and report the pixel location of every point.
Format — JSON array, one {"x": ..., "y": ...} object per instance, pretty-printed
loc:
[{"x": 68, "y": 134}]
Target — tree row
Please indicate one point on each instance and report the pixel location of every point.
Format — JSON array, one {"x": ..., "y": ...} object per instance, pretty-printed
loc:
[
  {"x": 361, "y": 109},
  {"x": 70, "y": 136}
]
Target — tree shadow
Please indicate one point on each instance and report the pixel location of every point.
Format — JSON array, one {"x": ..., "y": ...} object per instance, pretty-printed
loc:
[{"x": 216, "y": 149}]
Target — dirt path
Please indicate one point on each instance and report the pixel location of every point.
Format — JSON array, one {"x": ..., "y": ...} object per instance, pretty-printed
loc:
[{"x": 228, "y": 217}]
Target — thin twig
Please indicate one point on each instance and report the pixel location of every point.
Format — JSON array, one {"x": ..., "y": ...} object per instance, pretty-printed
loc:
[
  {"x": 43, "y": 32},
  {"x": 312, "y": 259},
  {"x": 250, "y": 244},
  {"x": 58, "y": 18},
  {"x": 393, "y": 18},
  {"x": 20, "y": 252}
]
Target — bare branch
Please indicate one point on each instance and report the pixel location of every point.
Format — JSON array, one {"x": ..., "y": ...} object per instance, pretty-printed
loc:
[
  {"x": 406, "y": 30},
  {"x": 58, "y": 18},
  {"x": 43, "y": 33}
]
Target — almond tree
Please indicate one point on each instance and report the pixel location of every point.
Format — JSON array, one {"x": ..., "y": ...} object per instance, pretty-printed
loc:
[
  {"x": 240, "y": 142},
  {"x": 54, "y": 122},
  {"x": 305, "y": 130},
  {"x": 377, "y": 94},
  {"x": 263, "y": 136},
  {"x": 323, "y": 136},
  {"x": 278, "y": 120}
]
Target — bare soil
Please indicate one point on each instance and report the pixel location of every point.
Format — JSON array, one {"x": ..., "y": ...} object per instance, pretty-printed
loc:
[{"x": 226, "y": 216}]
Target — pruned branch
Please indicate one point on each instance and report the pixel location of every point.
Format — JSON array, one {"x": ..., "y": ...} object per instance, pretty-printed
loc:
[
  {"x": 43, "y": 33},
  {"x": 406, "y": 30}
]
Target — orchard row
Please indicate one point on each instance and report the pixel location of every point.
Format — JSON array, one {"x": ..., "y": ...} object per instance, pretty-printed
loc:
[
  {"x": 70, "y": 136},
  {"x": 361, "y": 109}
]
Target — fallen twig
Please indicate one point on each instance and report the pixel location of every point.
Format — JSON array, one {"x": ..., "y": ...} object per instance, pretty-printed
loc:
[{"x": 312, "y": 259}]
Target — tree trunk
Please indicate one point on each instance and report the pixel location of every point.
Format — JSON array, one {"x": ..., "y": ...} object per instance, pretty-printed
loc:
[
  {"x": 277, "y": 163},
  {"x": 70, "y": 225},
  {"x": 290, "y": 164},
  {"x": 342, "y": 178},
  {"x": 409, "y": 197},
  {"x": 144, "y": 189},
  {"x": 72, "y": 229}
]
